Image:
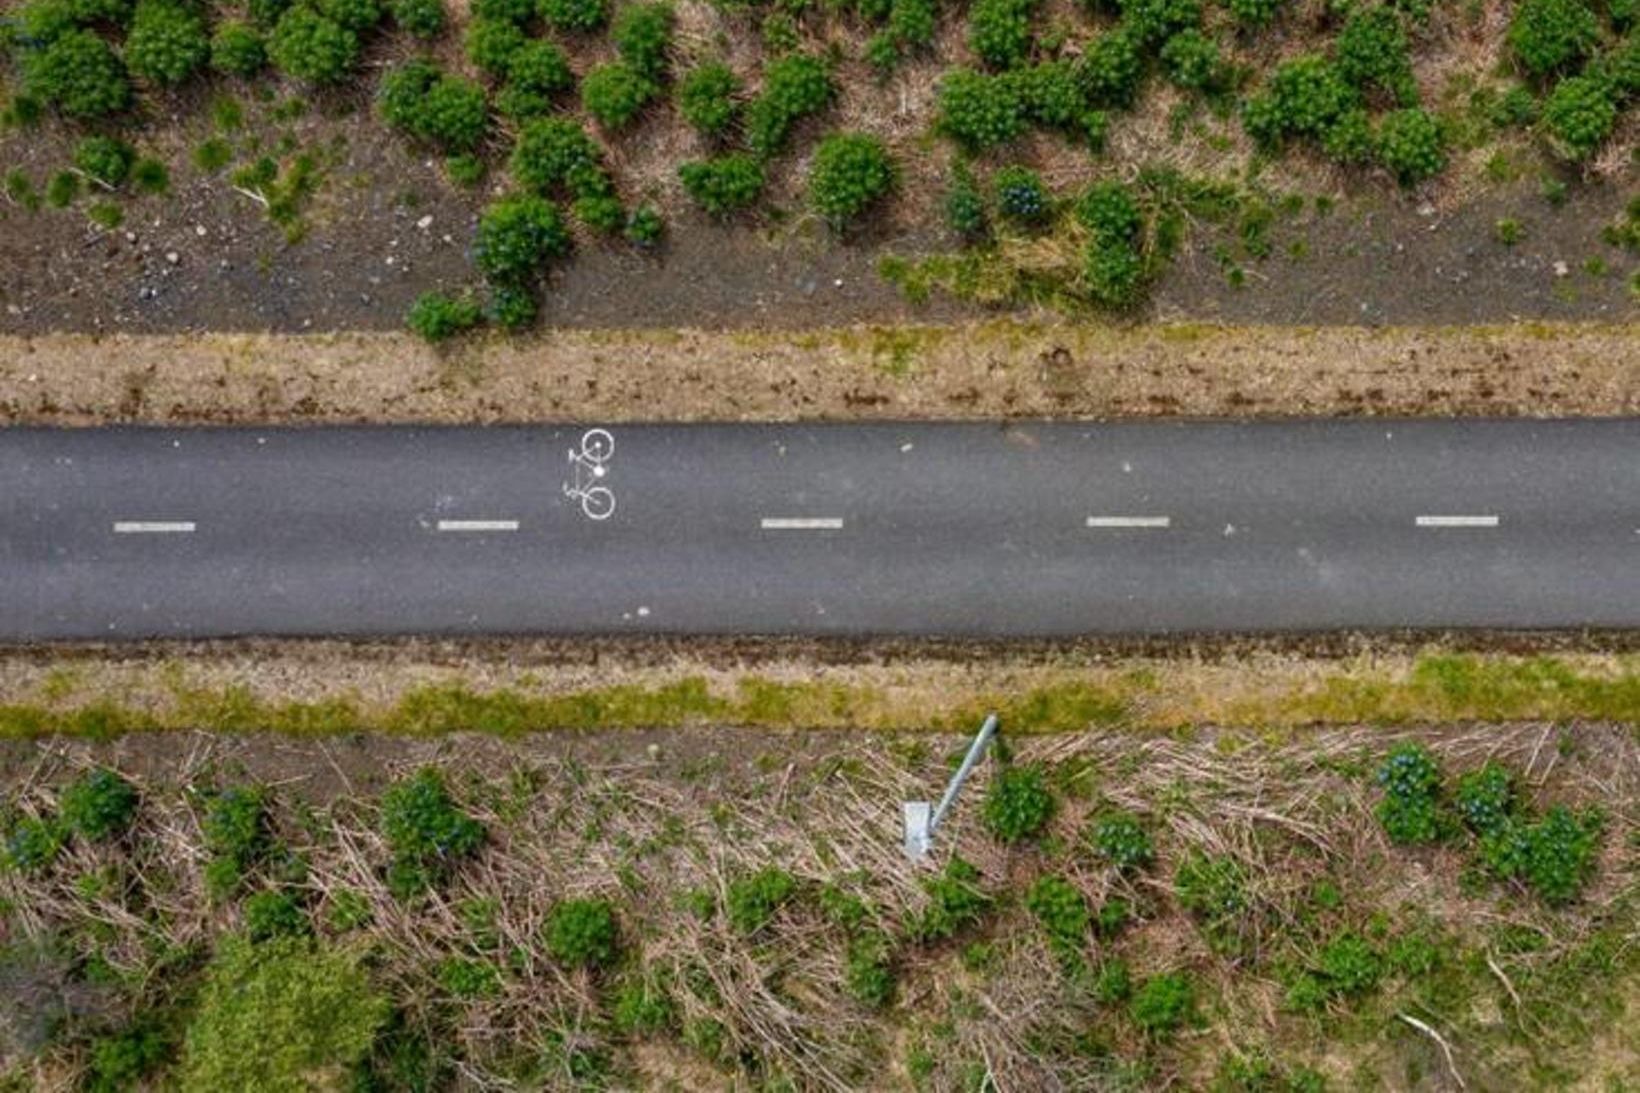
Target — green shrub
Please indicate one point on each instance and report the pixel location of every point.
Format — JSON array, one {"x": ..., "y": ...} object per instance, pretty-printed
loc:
[
  {"x": 615, "y": 93},
  {"x": 265, "y": 13},
  {"x": 274, "y": 913},
  {"x": 751, "y": 901},
  {"x": 106, "y": 159},
  {"x": 435, "y": 317},
  {"x": 965, "y": 205},
  {"x": 1111, "y": 212},
  {"x": 536, "y": 74},
  {"x": 1120, "y": 839},
  {"x": 1192, "y": 61},
  {"x": 642, "y": 1005},
  {"x": 1350, "y": 964},
  {"x": 426, "y": 832},
  {"x": 167, "y": 42},
  {"x": 1061, "y": 910},
  {"x": 1411, "y": 146},
  {"x": 1350, "y": 139},
  {"x": 911, "y": 23},
  {"x": 1053, "y": 96},
  {"x": 603, "y": 213},
  {"x": 467, "y": 979},
  {"x": 725, "y": 184},
  {"x": 98, "y": 805},
  {"x": 1411, "y": 781},
  {"x": 78, "y": 75},
  {"x": 276, "y": 1016},
  {"x": 851, "y": 172},
  {"x": 464, "y": 169},
  {"x": 1163, "y": 1004},
  {"x": 493, "y": 44},
  {"x": 235, "y": 825},
  {"x": 507, "y": 11},
  {"x": 1579, "y": 114},
  {"x": 555, "y": 155},
  {"x": 237, "y": 49},
  {"x": 1152, "y": 21},
  {"x": 582, "y": 933},
  {"x": 980, "y": 111},
  {"x": 1021, "y": 196},
  {"x": 706, "y": 98},
  {"x": 955, "y": 902},
  {"x": 446, "y": 111},
  {"x": 574, "y": 15},
  {"x": 355, "y": 15},
  {"x": 999, "y": 31},
  {"x": 1547, "y": 36},
  {"x": 1114, "y": 273},
  {"x": 310, "y": 47},
  {"x": 121, "y": 1060},
  {"x": 644, "y": 227},
  {"x": 1214, "y": 892},
  {"x": 868, "y": 970},
  {"x": 31, "y": 845},
  {"x": 1018, "y": 804},
  {"x": 63, "y": 189},
  {"x": 1485, "y": 797},
  {"x": 512, "y": 305},
  {"x": 423, "y": 19},
  {"x": 516, "y": 236},
  {"x": 1111, "y": 68},
  {"x": 1251, "y": 14},
  {"x": 1555, "y": 857},
  {"x": 1303, "y": 98},
  {"x": 1620, "y": 67},
  {"x": 643, "y": 35},
  {"x": 1114, "y": 983},
  {"x": 1372, "y": 53},
  {"x": 793, "y": 88}
]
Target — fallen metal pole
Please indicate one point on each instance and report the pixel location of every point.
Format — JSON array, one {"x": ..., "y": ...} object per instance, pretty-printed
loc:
[{"x": 920, "y": 821}]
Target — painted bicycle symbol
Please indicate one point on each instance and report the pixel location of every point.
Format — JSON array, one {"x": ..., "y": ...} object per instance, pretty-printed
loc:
[{"x": 588, "y": 465}]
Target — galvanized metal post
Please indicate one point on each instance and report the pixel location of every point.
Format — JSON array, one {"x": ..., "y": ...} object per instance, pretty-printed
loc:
[{"x": 923, "y": 820}]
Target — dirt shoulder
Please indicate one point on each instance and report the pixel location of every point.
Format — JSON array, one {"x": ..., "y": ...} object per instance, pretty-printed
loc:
[{"x": 981, "y": 370}]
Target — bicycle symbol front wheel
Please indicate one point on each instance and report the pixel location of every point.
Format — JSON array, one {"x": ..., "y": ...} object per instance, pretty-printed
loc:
[
  {"x": 597, "y": 445},
  {"x": 598, "y": 503}
]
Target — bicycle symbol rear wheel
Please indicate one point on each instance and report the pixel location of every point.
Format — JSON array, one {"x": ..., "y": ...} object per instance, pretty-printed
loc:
[
  {"x": 598, "y": 503},
  {"x": 597, "y": 445}
]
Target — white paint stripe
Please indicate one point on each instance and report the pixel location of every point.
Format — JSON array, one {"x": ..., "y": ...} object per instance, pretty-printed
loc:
[
  {"x": 478, "y": 525},
  {"x": 1130, "y": 521},
  {"x": 802, "y": 523},
  {"x": 152, "y": 527},
  {"x": 1457, "y": 521}
]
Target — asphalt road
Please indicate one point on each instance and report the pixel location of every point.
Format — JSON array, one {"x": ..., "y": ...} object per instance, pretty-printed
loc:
[{"x": 973, "y": 529}]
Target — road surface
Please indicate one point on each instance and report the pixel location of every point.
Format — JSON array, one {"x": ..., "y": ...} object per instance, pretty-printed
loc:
[{"x": 1026, "y": 528}]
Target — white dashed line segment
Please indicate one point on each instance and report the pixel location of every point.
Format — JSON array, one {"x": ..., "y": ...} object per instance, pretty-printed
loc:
[
  {"x": 1129, "y": 521},
  {"x": 153, "y": 527},
  {"x": 478, "y": 525},
  {"x": 802, "y": 523},
  {"x": 1457, "y": 521}
]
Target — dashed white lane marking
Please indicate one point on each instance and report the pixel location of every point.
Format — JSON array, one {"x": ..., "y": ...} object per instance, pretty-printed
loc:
[
  {"x": 1457, "y": 521},
  {"x": 802, "y": 523},
  {"x": 478, "y": 525},
  {"x": 153, "y": 527},
  {"x": 1130, "y": 521}
]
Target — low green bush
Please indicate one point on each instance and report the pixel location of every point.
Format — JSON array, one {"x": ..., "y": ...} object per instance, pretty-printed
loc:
[
  {"x": 1053, "y": 95},
  {"x": 518, "y": 12},
  {"x": 1021, "y": 197},
  {"x": 643, "y": 1005},
  {"x": 512, "y": 305},
  {"x": 274, "y": 913},
  {"x": 999, "y": 31},
  {"x": 1252, "y": 14},
  {"x": 751, "y": 902},
  {"x": 63, "y": 189},
  {"x": 615, "y": 93},
  {"x": 1018, "y": 804},
  {"x": 1154, "y": 21},
  {"x": 424, "y": 19},
  {"x": 31, "y": 845},
  {"x": 1554, "y": 857},
  {"x": 1163, "y": 1004},
  {"x": 1350, "y": 139},
  {"x": 426, "y": 832},
  {"x": 1549, "y": 36},
  {"x": 576, "y": 16},
  {"x": 78, "y": 75},
  {"x": 965, "y": 210},
  {"x": 236, "y": 825},
  {"x": 537, "y": 73},
  {"x": 725, "y": 184},
  {"x": 1485, "y": 798},
  {"x": 644, "y": 228},
  {"x": 794, "y": 87},
  {"x": 1579, "y": 115},
  {"x": 643, "y": 36},
  {"x": 707, "y": 97},
  {"x": 1303, "y": 97},
  {"x": 1112, "y": 67},
  {"x": 911, "y": 24},
  {"x": 582, "y": 933},
  {"x": 356, "y": 15},
  {"x": 493, "y": 45},
  {"x": 1114, "y": 274},
  {"x": 105, "y": 159},
  {"x": 1372, "y": 53},
  {"x": 1213, "y": 890},
  {"x": 1350, "y": 965},
  {"x": 273, "y": 1016},
  {"x": 851, "y": 172},
  {"x": 1061, "y": 910},
  {"x": 434, "y": 317},
  {"x": 237, "y": 49},
  {"x": 466, "y": 979},
  {"x": 1410, "y": 810},
  {"x": 554, "y": 155},
  {"x": 98, "y": 805},
  {"x": 1110, "y": 211},
  {"x": 602, "y": 213},
  {"x": 1119, "y": 838},
  {"x": 1192, "y": 61},
  {"x": 1410, "y": 144},
  {"x": 167, "y": 42},
  {"x": 980, "y": 111},
  {"x": 955, "y": 902},
  {"x": 122, "y": 1060},
  {"x": 310, "y": 47},
  {"x": 868, "y": 969},
  {"x": 420, "y": 99}
]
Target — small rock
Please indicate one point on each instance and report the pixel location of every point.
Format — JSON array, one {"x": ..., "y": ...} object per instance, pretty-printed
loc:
[
  {"x": 653, "y": 751},
  {"x": 199, "y": 230},
  {"x": 1562, "y": 269},
  {"x": 172, "y": 257},
  {"x": 130, "y": 237},
  {"x": 425, "y": 222}
]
